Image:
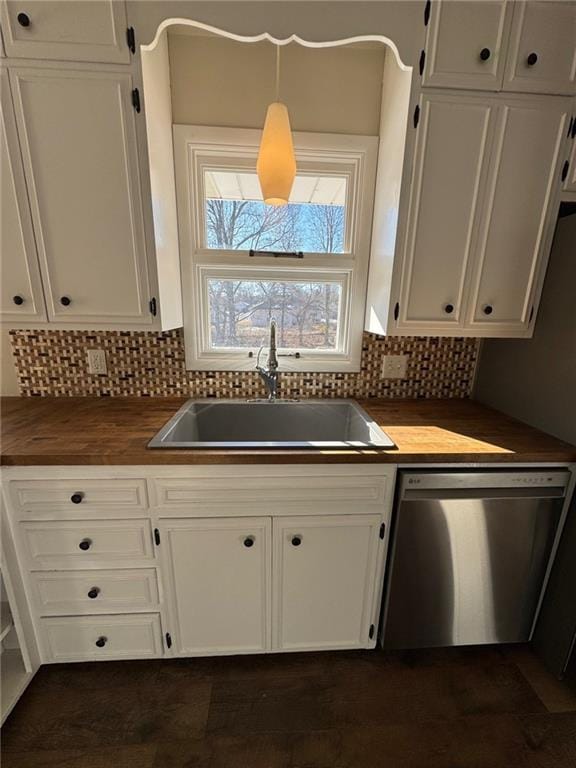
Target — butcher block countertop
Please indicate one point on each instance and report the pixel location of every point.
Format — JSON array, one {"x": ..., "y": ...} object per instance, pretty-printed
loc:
[{"x": 108, "y": 431}]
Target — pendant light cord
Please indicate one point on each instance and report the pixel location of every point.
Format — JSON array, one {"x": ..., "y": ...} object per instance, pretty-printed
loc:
[{"x": 277, "y": 73}]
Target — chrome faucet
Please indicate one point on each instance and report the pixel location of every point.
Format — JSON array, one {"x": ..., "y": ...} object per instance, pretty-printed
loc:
[{"x": 270, "y": 375}]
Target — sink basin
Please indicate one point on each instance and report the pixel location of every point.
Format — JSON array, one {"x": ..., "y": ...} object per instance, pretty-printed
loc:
[{"x": 281, "y": 424}]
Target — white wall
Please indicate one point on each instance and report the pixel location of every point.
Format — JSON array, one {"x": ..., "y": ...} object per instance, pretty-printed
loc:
[
  {"x": 8, "y": 380},
  {"x": 217, "y": 81},
  {"x": 534, "y": 380}
]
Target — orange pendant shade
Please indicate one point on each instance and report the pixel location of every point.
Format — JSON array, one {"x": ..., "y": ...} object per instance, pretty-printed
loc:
[{"x": 276, "y": 164}]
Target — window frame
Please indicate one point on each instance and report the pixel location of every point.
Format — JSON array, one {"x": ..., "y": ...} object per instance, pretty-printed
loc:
[{"x": 200, "y": 148}]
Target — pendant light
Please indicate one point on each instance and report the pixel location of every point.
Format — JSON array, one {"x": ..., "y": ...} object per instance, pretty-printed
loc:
[{"x": 276, "y": 165}]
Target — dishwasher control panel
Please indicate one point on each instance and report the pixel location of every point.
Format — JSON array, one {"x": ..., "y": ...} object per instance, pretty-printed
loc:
[{"x": 556, "y": 478}]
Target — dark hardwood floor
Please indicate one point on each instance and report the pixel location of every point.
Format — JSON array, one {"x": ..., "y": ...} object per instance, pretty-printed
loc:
[{"x": 457, "y": 708}]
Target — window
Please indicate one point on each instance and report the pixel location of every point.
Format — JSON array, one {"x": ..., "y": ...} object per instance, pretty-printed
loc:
[
  {"x": 245, "y": 263},
  {"x": 236, "y": 218}
]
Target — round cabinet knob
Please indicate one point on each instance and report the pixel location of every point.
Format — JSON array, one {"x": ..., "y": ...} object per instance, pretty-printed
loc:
[
  {"x": 249, "y": 541},
  {"x": 18, "y": 300},
  {"x": 101, "y": 642},
  {"x": 23, "y": 19},
  {"x": 77, "y": 497},
  {"x": 93, "y": 593},
  {"x": 488, "y": 309},
  {"x": 485, "y": 54},
  {"x": 296, "y": 541},
  {"x": 448, "y": 308},
  {"x": 65, "y": 301},
  {"x": 532, "y": 59},
  {"x": 85, "y": 544}
]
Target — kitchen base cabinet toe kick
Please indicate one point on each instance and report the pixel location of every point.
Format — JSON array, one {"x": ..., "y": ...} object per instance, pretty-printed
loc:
[{"x": 152, "y": 562}]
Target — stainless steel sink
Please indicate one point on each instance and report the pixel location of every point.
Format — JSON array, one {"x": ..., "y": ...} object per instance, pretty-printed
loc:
[{"x": 261, "y": 424}]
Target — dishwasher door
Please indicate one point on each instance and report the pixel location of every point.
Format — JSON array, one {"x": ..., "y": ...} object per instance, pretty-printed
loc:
[{"x": 470, "y": 553}]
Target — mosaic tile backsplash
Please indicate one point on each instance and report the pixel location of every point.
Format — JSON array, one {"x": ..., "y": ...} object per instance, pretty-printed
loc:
[{"x": 145, "y": 363}]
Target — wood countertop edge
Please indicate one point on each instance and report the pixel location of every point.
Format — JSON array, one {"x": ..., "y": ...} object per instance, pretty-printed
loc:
[
  {"x": 233, "y": 458},
  {"x": 73, "y": 431}
]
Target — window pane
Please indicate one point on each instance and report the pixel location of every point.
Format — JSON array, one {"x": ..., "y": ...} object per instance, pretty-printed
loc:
[
  {"x": 237, "y": 218},
  {"x": 307, "y": 313}
]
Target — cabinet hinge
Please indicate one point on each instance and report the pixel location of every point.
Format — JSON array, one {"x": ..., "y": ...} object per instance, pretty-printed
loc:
[
  {"x": 136, "y": 99},
  {"x": 422, "y": 62},
  {"x": 382, "y": 530},
  {"x": 371, "y": 631},
  {"x": 416, "y": 115},
  {"x": 565, "y": 169},
  {"x": 531, "y": 314},
  {"x": 168, "y": 640},
  {"x": 153, "y": 307},
  {"x": 131, "y": 39},
  {"x": 396, "y": 311},
  {"x": 427, "y": 8},
  {"x": 156, "y": 537}
]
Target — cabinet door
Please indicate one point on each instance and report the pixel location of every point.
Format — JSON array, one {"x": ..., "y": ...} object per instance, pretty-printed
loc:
[
  {"x": 325, "y": 581},
  {"x": 542, "y": 51},
  {"x": 465, "y": 44},
  {"x": 570, "y": 180},
  {"x": 218, "y": 574},
  {"x": 21, "y": 297},
  {"x": 448, "y": 174},
  {"x": 90, "y": 30},
  {"x": 519, "y": 212},
  {"x": 78, "y": 141}
]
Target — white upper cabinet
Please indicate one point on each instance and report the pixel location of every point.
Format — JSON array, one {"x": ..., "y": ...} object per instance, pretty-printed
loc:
[
  {"x": 481, "y": 214},
  {"x": 522, "y": 47},
  {"x": 21, "y": 298},
  {"x": 465, "y": 45},
  {"x": 324, "y": 581},
  {"x": 90, "y": 30},
  {"x": 77, "y": 135},
  {"x": 449, "y": 171},
  {"x": 515, "y": 232},
  {"x": 542, "y": 51},
  {"x": 218, "y": 576}
]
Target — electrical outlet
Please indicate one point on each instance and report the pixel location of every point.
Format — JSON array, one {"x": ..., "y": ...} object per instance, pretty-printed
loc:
[
  {"x": 97, "y": 361},
  {"x": 394, "y": 366}
]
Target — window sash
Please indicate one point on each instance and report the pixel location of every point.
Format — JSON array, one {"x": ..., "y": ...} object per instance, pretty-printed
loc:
[
  {"x": 206, "y": 352},
  {"x": 199, "y": 148}
]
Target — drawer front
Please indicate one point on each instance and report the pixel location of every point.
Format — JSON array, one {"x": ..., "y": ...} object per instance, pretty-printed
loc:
[
  {"x": 253, "y": 493},
  {"x": 77, "y": 638},
  {"x": 74, "y": 498},
  {"x": 94, "y": 591},
  {"x": 76, "y": 543}
]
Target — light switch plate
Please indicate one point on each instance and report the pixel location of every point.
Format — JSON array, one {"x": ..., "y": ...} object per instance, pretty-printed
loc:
[
  {"x": 394, "y": 366},
  {"x": 97, "y": 361}
]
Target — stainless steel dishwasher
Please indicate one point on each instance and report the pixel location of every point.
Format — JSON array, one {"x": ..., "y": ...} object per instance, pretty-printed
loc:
[{"x": 469, "y": 555}]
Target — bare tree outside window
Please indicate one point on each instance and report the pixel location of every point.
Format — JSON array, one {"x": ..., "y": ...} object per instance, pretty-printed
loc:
[{"x": 307, "y": 313}]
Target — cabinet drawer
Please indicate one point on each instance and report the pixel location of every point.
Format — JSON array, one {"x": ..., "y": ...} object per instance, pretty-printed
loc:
[
  {"x": 75, "y": 543},
  {"x": 255, "y": 492},
  {"x": 77, "y": 638},
  {"x": 94, "y": 591},
  {"x": 73, "y": 498}
]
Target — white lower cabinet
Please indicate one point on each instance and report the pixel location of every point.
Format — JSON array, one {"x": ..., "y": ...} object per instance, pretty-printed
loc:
[
  {"x": 218, "y": 574},
  {"x": 324, "y": 579},
  {"x": 145, "y": 562},
  {"x": 286, "y": 583},
  {"x": 92, "y": 638},
  {"x": 96, "y": 591}
]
